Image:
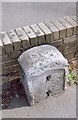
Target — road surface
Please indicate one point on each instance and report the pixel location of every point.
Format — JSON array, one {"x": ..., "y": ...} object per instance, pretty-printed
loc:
[{"x": 18, "y": 14}]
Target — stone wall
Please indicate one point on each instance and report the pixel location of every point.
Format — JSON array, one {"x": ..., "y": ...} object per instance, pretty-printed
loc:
[{"x": 61, "y": 33}]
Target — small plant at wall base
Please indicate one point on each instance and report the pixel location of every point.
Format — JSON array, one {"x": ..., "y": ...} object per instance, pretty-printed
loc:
[{"x": 71, "y": 76}]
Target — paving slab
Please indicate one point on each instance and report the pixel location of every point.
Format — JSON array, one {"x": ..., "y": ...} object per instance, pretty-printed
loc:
[{"x": 60, "y": 106}]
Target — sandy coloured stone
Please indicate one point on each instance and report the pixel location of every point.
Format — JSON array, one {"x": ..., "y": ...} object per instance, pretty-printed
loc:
[
  {"x": 60, "y": 48},
  {"x": 11, "y": 62},
  {"x": 39, "y": 34},
  {"x": 61, "y": 28},
  {"x": 16, "y": 54},
  {"x": 8, "y": 46},
  {"x": 46, "y": 31},
  {"x": 43, "y": 72},
  {"x": 4, "y": 79},
  {"x": 13, "y": 69},
  {"x": 23, "y": 37},
  {"x": 69, "y": 50},
  {"x": 0, "y": 58},
  {"x": 70, "y": 56},
  {"x": 54, "y": 29},
  {"x": 6, "y": 57},
  {"x": 31, "y": 35},
  {"x": 0, "y": 69},
  {"x": 72, "y": 22},
  {"x": 57, "y": 43},
  {"x": 1, "y": 46},
  {"x": 2, "y": 49},
  {"x": 70, "y": 39},
  {"x": 75, "y": 18},
  {"x": 15, "y": 40},
  {"x": 68, "y": 26}
]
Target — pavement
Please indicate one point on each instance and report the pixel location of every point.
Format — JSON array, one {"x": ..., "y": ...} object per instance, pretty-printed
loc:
[{"x": 62, "y": 105}]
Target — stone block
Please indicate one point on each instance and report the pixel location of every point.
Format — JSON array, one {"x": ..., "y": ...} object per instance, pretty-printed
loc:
[
  {"x": 70, "y": 39},
  {"x": 1, "y": 46},
  {"x": 47, "y": 32},
  {"x": 12, "y": 69},
  {"x": 60, "y": 48},
  {"x": 69, "y": 45},
  {"x": 23, "y": 37},
  {"x": 72, "y": 22},
  {"x": 61, "y": 28},
  {"x": 43, "y": 72},
  {"x": 5, "y": 57},
  {"x": 10, "y": 62},
  {"x": 76, "y": 48},
  {"x": 16, "y": 54},
  {"x": 69, "y": 50},
  {"x": 70, "y": 56},
  {"x": 74, "y": 18},
  {"x": 8, "y": 46},
  {"x": 15, "y": 40},
  {"x": 57, "y": 43},
  {"x": 3, "y": 79},
  {"x": 39, "y": 34},
  {"x": 31, "y": 35},
  {"x": 0, "y": 58},
  {"x": 68, "y": 26},
  {"x": 0, "y": 69},
  {"x": 54, "y": 30}
]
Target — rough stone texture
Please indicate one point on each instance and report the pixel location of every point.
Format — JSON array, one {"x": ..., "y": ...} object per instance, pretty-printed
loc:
[
  {"x": 39, "y": 34},
  {"x": 31, "y": 35},
  {"x": 23, "y": 37},
  {"x": 47, "y": 32},
  {"x": 54, "y": 29},
  {"x": 70, "y": 56},
  {"x": 68, "y": 26},
  {"x": 68, "y": 50},
  {"x": 72, "y": 22},
  {"x": 61, "y": 28},
  {"x": 7, "y": 42},
  {"x": 1, "y": 46},
  {"x": 14, "y": 38},
  {"x": 70, "y": 39},
  {"x": 75, "y": 18},
  {"x": 57, "y": 43},
  {"x": 43, "y": 71}
]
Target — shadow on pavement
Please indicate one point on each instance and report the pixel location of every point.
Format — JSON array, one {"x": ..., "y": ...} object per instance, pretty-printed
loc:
[{"x": 14, "y": 96}]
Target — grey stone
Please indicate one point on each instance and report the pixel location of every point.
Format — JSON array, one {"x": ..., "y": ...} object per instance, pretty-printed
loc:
[{"x": 43, "y": 72}]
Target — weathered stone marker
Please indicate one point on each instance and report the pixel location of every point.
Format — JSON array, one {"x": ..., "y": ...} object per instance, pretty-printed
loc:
[{"x": 43, "y": 71}]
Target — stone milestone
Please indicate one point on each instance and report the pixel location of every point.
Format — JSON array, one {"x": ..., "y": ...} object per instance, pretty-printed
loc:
[{"x": 43, "y": 71}]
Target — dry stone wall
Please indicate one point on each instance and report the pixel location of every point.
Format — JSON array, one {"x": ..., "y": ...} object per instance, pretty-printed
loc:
[{"x": 61, "y": 33}]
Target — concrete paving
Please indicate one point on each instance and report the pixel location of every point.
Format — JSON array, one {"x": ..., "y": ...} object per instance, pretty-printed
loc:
[
  {"x": 61, "y": 106},
  {"x": 18, "y": 14}
]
